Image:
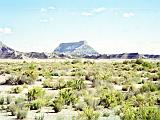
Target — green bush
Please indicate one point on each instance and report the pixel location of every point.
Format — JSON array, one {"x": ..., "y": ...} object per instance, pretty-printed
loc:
[
  {"x": 148, "y": 113},
  {"x": 149, "y": 87},
  {"x": 47, "y": 83},
  {"x": 76, "y": 61},
  {"x": 21, "y": 103},
  {"x": 37, "y": 104},
  {"x": 2, "y": 100},
  {"x": 110, "y": 98},
  {"x": 80, "y": 105},
  {"x": 142, "y": 113},
  {"x": 35, "y": 93},
  {"x": 125, "y": 88},
  {"x": 9, "y": 99},
  {"x": 16, "y": 90},
  {"x": 76, "y": 84},
  {"x": 39, "y": 117},
  {"x": 22, "y": 114},
  {"x": 25, "y": 78},
  {"x": 58, "y": 104},
  {"x": 19, "y": 100},
  {"x": 60, "y": 84},
  {"x": 106, "y": 114},
  {"x": 139, "y": 61},
  {"x": 88, "y": 114},
  {"x": 92, "y": 101},
  {"x": 68, "y": 95},
  {"x": 12, "y": 108}
]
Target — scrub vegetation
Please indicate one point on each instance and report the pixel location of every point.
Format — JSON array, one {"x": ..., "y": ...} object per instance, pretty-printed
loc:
[{"x": 88, "y": 90}]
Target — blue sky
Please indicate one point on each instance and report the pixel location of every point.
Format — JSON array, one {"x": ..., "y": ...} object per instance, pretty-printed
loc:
[{"x": 109, "y": 26}]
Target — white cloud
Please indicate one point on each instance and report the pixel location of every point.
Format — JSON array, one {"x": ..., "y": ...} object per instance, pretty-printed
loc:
[
  {"x": 6, "y": 30},
  {"x": 129, "y": 14},
  {"x": 43, "y": 10},
  {"x": 93, "y": 11},
  {"x": 98, "y": 10},
  {"x": 51, "y": 8},
  {"x": 86, "y": 14},
  {"x": 44, "y": 20}
]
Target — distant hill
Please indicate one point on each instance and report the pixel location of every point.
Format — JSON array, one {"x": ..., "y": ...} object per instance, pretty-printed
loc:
[
  {"x": 80, "y": 48},
  {"x": 9, "y": 53},
  {"x": 69, "y": 50}
]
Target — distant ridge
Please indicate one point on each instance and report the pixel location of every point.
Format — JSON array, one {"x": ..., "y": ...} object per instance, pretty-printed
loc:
[
  {"x": 69, "y": 50},
  {"x": 9, "y": 53}
]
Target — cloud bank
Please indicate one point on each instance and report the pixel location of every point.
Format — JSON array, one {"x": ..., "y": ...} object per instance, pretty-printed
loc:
[{"x": 6, "y": 30}]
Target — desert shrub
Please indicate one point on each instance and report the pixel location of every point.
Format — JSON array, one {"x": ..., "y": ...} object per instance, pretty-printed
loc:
[
  {"x": 47, "y": 83},
  {"x": 106, "y": 114},
  {"x": 55, "y": 74},
  {"x": 2, "y": 100},
  {"x": 125, "y": 87},
  {"x": 139, "y": 101},
  {"x": 117, "y": 111},
  {"x": 55, "y": 86},
  {"x": 19, "y": 100},
  {"x": 35, "y": 93},
  {"x": 22, "y": 114},
  {"x": 58, "y": 104},
  {"x": 110, "y": 98},
  {"x": 88, "y": 114},
  {"x": 128, "y": 88},
  {"x": 139, "y": 61},
  {"x": 139, "y": 68},
  {"x": 78, "y": 72},
  {"x": 10, "y": 80},
  {"x": 88, "y": 62},
  {"x": 154, "y": 77},
  {"x": 80, "y": 105},
  {"x": 76, "y": 61},
  {"x": 126, "y": 62},
  {"x": 76, "y": 84},
  {"x": 68, "y": 95},
  {"x": 153, "y": 70},
  {"x": 31, "y": 66},
  {"x": 148, "y": 113},
  {"x": 147, "y": 64},
  {"x": 21, "y": 103},
  {"x": 142, "y": 113},
  {"x": 158, "y": 74},
  {"x": 26, "y": 79},
  {"x": 19, "y": 80},
  {"x": 127, "y": 68},
  {"x": 92, "y": 101},
  {"x": 59, "y": 84},
  {"x": 150, "y": 99},
  {"x": 16, "y": 90},
  {"x": 39, "y": 117},
  {"x": 158, "y": 100},
  {"x": 149, "y": 87},
  {"x": 48, "y": 74},
  {"x": 9, "y": 99},
  {"x": 128, "y": 113},
  {"x": 37, "y": 104},
  {"x": 13, "y": 109}
]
